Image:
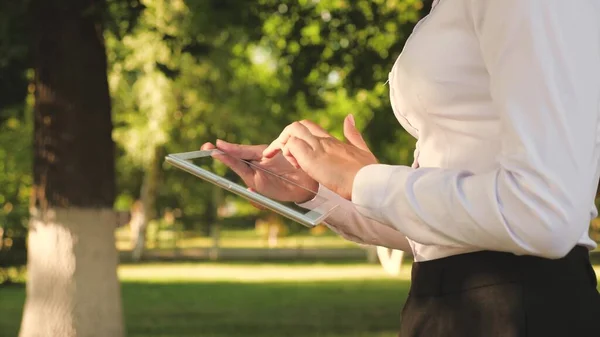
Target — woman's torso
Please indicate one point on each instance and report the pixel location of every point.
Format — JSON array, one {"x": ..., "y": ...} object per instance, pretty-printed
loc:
[{"x": 439, "y": 90}]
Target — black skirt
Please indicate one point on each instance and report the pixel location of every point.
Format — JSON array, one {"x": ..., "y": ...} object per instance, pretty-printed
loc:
[{"x": 492, "y": 294}]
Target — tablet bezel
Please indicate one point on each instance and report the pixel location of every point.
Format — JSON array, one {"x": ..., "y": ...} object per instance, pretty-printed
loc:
[{"x": 312, "y": 218}]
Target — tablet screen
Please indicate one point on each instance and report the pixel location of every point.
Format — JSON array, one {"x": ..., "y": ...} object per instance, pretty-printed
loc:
[{"x": 209, "y": 165}]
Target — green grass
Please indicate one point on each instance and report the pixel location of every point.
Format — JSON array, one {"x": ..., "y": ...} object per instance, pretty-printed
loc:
[
  {"x": 242, "y": 299},
  {"x": 228, "y": 300},
  {"x": 330, "y": 308}
]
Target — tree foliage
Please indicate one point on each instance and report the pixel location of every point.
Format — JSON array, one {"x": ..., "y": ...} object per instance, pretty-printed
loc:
[{"x": 183, "y": 72}]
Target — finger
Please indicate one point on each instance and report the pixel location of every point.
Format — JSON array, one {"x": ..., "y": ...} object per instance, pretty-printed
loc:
[
  {"x": 289, "y": 157},
  {"x": 242, "y": 169},
  {"x": 295, "y": 129},
  {"x": 207, "y": 146},
  {"x": 302, "y": 153},
  {"x": 315, "y": 129},
  {"x": 253, "y": 203},
  {"x": 247, "y": 152},
  {"x": 352, "y": 134}
]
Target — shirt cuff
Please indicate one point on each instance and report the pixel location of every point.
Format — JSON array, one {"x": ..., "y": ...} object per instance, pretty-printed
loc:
[
  {"x": 369, "y": 190},
  {"x": 323, "y": 193}
]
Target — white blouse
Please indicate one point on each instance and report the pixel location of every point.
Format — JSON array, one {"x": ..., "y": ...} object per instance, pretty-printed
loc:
[{"x": 504, "y": 99}]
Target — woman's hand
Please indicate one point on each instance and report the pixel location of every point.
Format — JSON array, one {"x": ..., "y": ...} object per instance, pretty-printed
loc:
[
  {"x": 261, "y": 181},
  {"x": 329, "y": 161}
]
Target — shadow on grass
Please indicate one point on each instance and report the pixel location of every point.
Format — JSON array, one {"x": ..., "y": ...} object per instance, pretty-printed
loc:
[{"x": 224, "y": 309}]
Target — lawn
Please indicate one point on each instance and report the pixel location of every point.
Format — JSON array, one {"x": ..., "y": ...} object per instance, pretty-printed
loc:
[
  {"x": 231, "y": 238},
  {"x": 229, "y": 300},
  {"x": 244, "y": 299}
]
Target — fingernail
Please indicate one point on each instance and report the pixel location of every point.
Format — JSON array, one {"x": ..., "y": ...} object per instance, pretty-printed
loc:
[{"x": 351, "y": 117}]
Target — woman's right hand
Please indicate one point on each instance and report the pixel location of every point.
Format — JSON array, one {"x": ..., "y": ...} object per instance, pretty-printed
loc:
[{"x": 261, "y": 181}]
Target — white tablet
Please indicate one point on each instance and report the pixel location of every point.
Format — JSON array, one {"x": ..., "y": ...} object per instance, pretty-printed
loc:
[{"x": 202, "y": 165}]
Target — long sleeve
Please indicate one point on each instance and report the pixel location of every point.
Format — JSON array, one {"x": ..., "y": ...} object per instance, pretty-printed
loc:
[
  {"x": 543, "y": 61},
  {"x": 347, "y": 222}
]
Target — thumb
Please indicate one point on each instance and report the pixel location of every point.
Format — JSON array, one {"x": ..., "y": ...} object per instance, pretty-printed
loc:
[{"x": 352, "y": 134}]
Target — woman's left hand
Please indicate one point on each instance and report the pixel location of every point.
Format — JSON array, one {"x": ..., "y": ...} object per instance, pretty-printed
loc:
[{"x": 326, "y": 159}]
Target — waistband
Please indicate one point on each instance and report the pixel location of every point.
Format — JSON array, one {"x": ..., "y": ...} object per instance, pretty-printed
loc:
[{"x": 484, "y": 268}]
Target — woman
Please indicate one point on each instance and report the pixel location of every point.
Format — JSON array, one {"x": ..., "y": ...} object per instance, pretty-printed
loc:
[{"x": 504, "y": 99}]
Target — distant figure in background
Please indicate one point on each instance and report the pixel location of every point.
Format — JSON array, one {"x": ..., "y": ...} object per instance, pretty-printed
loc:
[
  {"x": 136, "y": 229},
  {"x": 270, "y": 227}
]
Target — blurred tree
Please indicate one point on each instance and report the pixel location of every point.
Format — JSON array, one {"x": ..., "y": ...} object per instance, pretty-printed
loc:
[
  {"x": 177, "y": 82},
  {"x": 15, "y": 182},
  {"x": 327, "y": 58},
  {"x": 14, "y": 59},
  {"x": 338, "y": 55},
  {"x": 15, "y": 133},
  {"x": 196, "y": 70},
  {"x": 193, "y": 71},
  {"x": 144, "y": 102},
  {"x": 72, "y": 282}
]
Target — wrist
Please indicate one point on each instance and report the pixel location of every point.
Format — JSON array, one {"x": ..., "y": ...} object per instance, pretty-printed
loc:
[
  {"x": 348, "y": 185},
  {"x": 309, "y": 194}
]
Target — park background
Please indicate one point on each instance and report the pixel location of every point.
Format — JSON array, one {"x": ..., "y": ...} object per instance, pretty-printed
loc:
[{"x": 94, "y": 94}]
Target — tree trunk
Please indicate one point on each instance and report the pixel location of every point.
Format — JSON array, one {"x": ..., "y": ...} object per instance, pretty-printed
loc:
[
  {"x": 72, "y": 288},
  {"x": 148, "y": 196},
  {"x": 72, "y": 285},
  {"x": 215, "y": 226}
]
